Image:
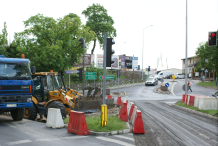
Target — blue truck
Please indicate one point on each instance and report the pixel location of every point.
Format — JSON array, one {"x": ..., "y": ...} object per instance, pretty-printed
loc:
[{"x": 16, "y": 86}]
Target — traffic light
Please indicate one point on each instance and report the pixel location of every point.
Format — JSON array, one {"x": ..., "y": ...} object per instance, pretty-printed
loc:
[
  {"x": 148, "y": 68},
  {"x": 212, "y": 39},
  {"x": 80, "y": 73},
  {"x": 81, "y": 40},
  {"x": 109, "y": 52}
]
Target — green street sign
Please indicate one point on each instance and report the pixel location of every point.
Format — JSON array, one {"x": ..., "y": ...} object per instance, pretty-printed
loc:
[
  {"x": 91, "y": 75},
  {"x": 107, "y": 77}
]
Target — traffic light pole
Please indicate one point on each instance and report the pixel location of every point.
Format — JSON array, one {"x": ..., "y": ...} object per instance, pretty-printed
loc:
[
  {"x": 83, "y": 65},
  {"x": 104, "y": 68},
  {"x": 186, "y": 48}
]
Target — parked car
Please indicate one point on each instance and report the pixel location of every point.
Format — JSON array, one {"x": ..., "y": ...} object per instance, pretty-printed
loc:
[
  {"x": 169, "y": 76},
  {"x": 151, "y": 81},
  {"x": 163, "y": 74},
  {"x": 179, "y": 76}
]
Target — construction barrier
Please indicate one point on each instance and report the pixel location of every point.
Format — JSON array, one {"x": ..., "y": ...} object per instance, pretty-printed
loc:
[
  {"x": 77, "y": 123},
  {"x": 191, "y": 100},
  {"x": 133, "y": 115},
  {"x": 197, "y": 97},
  {"x": 138, "y": 127},
  {"x": 119, "y": 101},
  {"x": 54, "y": 118},
  {"x": 123, "y": 112},
  {"x": 128, "y": 107},
  {"x": 187, "y": 99},
  {"x": 131, "y": 110},
  {"x": 183, "y": 98},
  {"x": 208, "y": 103},
  {"x": 109, "y": 97}
]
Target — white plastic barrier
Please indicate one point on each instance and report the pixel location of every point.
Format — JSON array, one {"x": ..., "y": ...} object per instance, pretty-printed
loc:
[
  {"x": 129, "y": 104},
  {"x": 133, "y": 115},
  {"x": 54, "y": 118},
  {"x": 197, "y": 97},
  {"x": 209, "y": 103}
]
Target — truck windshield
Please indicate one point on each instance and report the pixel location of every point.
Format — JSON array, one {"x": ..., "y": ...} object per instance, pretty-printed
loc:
[
  {"x": 15, "y": 71},
  {"x": 59, "y": 82}
]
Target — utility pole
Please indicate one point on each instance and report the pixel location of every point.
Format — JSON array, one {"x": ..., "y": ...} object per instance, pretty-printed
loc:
[
  {"x": 83, "y": 65},
  {"x": 186, "y": 49},
  {"x": 104, "y": 68}
]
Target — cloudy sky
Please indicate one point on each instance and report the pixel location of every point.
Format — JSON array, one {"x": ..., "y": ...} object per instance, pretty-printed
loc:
[{"x": 166, "y": 36}]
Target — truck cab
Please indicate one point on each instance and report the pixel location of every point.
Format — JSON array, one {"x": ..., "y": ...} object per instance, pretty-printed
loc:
[{"x": 16, "y": 86}]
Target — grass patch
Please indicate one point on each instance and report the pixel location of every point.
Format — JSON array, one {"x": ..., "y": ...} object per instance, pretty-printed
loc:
[
  {"x": 209, "y": 84},
  {"x": 94, "y": 124},
  {"x": 211, "y": 112}
]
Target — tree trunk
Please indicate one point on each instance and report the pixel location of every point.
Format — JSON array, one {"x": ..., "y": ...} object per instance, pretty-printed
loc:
[{"x": 93, "y": 49}]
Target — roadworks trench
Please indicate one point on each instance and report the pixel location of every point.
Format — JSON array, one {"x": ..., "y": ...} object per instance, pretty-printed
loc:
[{"x": 167, "y": 125}]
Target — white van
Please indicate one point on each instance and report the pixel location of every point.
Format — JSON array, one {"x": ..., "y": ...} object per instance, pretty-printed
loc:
[{"x": 163, "y": 74}]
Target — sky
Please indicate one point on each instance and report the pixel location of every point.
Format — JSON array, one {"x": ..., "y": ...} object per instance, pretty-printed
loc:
[{"x": 167, "y": 35}]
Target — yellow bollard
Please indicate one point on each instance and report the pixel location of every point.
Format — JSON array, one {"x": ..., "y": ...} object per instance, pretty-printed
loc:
[
  {"x": 161, "y": 84},
  {"x": 173, "y": 76},
  {"x": 103, "y": 115}
]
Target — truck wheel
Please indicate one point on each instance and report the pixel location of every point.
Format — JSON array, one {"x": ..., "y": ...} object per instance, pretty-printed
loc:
[
  {"x": 57, "y": 104},
  {"x": 31, "y": 113},
  {"x": 17, "y": 114}
]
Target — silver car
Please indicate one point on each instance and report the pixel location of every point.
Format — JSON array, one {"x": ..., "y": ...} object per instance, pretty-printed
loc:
[
  {"x": 179, "y": 76},
  {"x": 151, "y": 81}
]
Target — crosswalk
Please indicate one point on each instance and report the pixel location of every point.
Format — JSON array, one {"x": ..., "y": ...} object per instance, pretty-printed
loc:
[{"x": 116, "y": 140}]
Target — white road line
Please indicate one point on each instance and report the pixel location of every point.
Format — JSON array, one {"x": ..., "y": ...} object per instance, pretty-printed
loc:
[
  {"x": 61, "y": 138},
  {"x": 114, "y": 141},
  {"x": 128, "y": 138},
  {"x": 172, "y": 89},
  {"x": 19, "y": 142},
  {"x": 9, "y": 125},
  {"x": 204, "y": 136}
]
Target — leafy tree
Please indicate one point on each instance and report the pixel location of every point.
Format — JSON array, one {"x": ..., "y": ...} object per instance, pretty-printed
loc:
[
  {"x": 210, "y": 54},
  {"x": 53, "y": 44},
  {"x": 3, "y": 40},
  {"x": 99, "y": 21}
]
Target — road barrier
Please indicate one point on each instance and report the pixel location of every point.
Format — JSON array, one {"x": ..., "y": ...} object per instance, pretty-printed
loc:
[
  {"x": 123, "y": 112},
  {"x": 208, "y": 103},
  {"x": 129, "y": 107},
  {"x": 138, "y": 127},
  {"x": 197, "y": 97},
  {"x": 131, "y": 110},
  {"x": 54, "y": 118},
  {"x": 109, "y": 97},
  {"x": 119, "y": 101},
  {"x": 133, "y": 115},
  {"x": 184, "y": 98},
  {"x": 191, "y": 100},
  {"x": 77, "y": 123}
]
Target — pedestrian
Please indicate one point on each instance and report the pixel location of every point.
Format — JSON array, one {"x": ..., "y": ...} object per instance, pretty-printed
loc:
[{"x": 189, "y": 84}]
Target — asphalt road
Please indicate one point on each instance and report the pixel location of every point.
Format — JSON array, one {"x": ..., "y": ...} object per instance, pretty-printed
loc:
[
  {"x": 32, "y": 133},
  {"x": 164, "y": 124}
]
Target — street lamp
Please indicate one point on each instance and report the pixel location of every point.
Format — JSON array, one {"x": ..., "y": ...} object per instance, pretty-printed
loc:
[
  {"x": 143, "y": 49},
  {"x": 121, "y": 47}
]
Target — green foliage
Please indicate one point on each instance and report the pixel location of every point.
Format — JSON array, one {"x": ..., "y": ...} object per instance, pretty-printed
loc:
[
  {"x": 53, "y": 44},
  {"x": 209, "y": 53},
  {"x": 209, "y": 84},
  {"x": 99, "y": 21}
]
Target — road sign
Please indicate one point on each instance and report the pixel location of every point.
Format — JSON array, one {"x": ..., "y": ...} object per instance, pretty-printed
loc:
[
  {"x": 91, "y": 76},
  {"x": 183, "y": 87},
  {"x": 167, "y": 85},
  {"x": 206, "y": 70},
  {"x": 107, "y": 77}
]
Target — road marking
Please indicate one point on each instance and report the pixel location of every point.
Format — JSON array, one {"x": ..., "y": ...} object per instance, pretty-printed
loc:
[
  {"x": 159, "y": 141},
  {"x": 204, "y": 136},
  {"x": 114, "y": 141},
  {"x": 128, "y": 138},
  {"x": 70, "y": 137},
  {"x": 172, "y": 89},
  {"x": 19, "y": 142},
  {"x": 9, "y": 125}
]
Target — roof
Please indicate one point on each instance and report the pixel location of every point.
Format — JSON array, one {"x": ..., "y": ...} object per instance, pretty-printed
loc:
[
  {"x": 14, "y": 60},
  {"x": 189, "y": 57}
]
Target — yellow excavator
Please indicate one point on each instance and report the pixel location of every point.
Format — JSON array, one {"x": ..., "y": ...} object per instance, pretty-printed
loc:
[{"x": 51, "y": 92}]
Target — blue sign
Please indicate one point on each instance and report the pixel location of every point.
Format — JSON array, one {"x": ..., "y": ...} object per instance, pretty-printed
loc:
[
  {"x": 167, "y": 85},
  {"x": 206, "y": 70}
]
